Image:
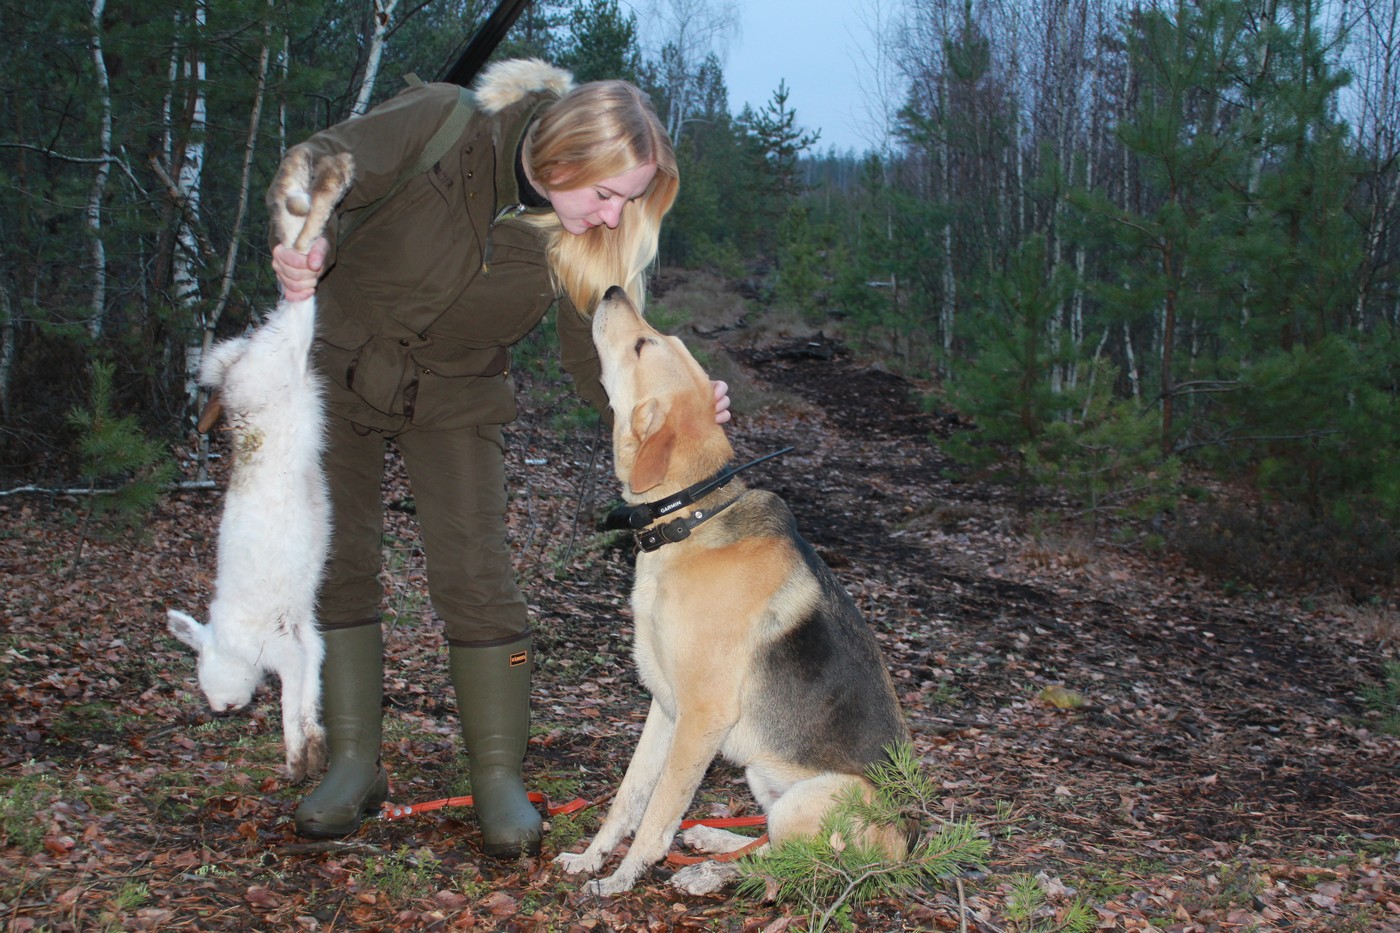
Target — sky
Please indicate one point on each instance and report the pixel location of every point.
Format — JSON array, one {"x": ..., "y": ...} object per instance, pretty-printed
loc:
[{"x": 815, "y": 45}]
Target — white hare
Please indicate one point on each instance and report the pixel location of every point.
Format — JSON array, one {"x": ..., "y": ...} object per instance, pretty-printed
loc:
[{"x": 275, "y": 529}]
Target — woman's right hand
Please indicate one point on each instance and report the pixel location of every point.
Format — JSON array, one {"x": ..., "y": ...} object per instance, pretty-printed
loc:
[{"x": 298, "y": 273}]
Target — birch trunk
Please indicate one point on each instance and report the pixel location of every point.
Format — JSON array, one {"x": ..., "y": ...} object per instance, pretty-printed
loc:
[
  {"x": 189, "y": 188},
  {"x": 240, "y": 216},
  {"x": 943, "y": 152},
  {"x": 383, "y": 13},
  {"x": 691, "y": 30},
  {"x": 245, "y": 182},
  {"x": 1130, "y": 362},
  {"x": 7, "y": 350},
  {"x": 97, "y": 250},
  {"x": 1376, "y": 36},
  {"x": 1262, "y": 62}
]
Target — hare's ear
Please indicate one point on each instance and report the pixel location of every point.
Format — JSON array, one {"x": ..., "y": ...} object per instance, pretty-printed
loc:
[{"x": 187, "y": 629}]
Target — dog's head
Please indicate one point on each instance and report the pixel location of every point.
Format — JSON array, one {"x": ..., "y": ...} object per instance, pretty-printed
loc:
[{"x": 664, "y": 432}]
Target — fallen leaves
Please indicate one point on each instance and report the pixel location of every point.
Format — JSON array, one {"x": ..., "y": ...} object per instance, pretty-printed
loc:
[{"x": 1179, "y": 758}]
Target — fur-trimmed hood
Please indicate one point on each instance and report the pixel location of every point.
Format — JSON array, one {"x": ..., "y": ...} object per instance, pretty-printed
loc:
[{"x": 506, "y": 82}]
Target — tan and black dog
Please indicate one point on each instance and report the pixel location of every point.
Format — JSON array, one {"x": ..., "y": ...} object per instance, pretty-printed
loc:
[{"x": 749, "y": 645}]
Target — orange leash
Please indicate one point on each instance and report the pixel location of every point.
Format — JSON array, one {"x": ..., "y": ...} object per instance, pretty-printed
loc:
[
  {"x": 726, "y": 822},
  {"x": 399, "y": 811},
  {"x": 675, "y": 858}
]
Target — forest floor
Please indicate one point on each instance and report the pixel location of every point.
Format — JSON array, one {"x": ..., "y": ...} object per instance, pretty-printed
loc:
[{"x": 1224, "y": 772}]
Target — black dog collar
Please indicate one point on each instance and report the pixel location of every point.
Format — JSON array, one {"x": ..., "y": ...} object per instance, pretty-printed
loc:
[
  {"x": 649, "y": 539},
  {"x": 636, "y": 518}
]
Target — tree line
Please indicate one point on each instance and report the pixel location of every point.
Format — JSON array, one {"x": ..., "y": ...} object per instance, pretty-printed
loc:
[
  {"x": 1125, "y": 238},
  {"x": 1133, "y": 237}
]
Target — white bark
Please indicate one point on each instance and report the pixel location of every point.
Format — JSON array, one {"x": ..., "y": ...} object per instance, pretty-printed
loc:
[
  {"x": 382, "y": 15},
  {"x": 191, "y": 177},
  {"x": 196, "y": 354},
  {"x": 1262, "y": 62},
  {"x": 188, "y": 66},
  {"x": 1130, "y": 361},
  {"x": 694, "y": 29},
  {"x": 1373, "y": 110},
  {"x": 245, "y": 181},
  {"x": 284, "y": 67},
  {"x": 877, "y": 78},
  {"x": 97, "y": 250},
  {"x": 7, "y": 350}
]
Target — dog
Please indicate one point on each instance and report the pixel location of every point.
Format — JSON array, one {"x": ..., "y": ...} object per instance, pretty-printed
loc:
[
  {"x": 274, "y": 532},
  {"x": 745, "y": 639}
]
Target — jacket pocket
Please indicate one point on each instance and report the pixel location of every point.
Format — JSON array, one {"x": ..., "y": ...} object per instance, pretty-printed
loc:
[
  {"x": 472, "y": 390},
  {"x": 379, "y": 371}
]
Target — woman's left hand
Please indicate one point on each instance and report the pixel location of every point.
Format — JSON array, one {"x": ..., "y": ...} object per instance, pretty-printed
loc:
[{"x": 722, "y": 413}]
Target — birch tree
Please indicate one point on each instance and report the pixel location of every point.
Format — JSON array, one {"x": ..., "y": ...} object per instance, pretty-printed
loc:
[
  {"x": 1373, "y": 109},
  {"x": 381, "y": 14},
  {"x": 97, "y": 249},
  {"x": 187, "y": 73},
  {"x": 681, "y": 35}
]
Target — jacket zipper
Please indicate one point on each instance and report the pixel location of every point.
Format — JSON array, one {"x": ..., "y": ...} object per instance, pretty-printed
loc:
[{"x": 505, "y": 213}]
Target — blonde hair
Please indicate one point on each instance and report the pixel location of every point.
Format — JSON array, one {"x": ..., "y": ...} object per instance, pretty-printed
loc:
[{"x": 597, "y": 131}]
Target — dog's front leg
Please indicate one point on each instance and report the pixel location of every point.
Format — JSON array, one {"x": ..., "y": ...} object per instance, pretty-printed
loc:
[
  {"x": 632, "y": 795},
  {"x": 696, "y": 741}
]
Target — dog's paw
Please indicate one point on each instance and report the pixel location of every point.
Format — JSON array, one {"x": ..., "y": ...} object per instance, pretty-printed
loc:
[
  {"x": 618, "y": 882},
  {"x": 705, "y": 877},
  {"x": 578, "y": 863}
]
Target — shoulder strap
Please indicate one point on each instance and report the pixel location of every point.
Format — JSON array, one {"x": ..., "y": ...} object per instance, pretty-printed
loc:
[{"x": 432, "y": 153}]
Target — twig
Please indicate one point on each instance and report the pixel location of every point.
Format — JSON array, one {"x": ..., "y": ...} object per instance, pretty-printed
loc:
[
  {"x": 331, "y": 845},
  {"x": 830, "y": 912},
  {"x": 82, "y": 539},
  {"x": 76, "y": 491},
  {"x": 585, "y": 494},
  {"x": 121, "y": 163}
]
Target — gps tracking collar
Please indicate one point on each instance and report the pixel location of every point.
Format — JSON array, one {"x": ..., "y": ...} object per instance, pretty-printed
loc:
[{"x": 636, "y": 518}]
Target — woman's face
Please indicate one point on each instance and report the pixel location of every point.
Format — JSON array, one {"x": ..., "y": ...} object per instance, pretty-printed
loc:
[{"x": 599, "y": 205}]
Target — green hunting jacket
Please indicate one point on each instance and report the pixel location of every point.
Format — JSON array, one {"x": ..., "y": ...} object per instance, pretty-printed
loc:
[{"x": 420, "y": 303}]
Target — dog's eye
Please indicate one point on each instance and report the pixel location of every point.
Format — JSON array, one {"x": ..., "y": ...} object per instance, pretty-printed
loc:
[{"x": 641, "y": 342}]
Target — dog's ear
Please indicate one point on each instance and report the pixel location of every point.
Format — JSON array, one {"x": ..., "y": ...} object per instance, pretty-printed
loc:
[{"x": 656, "y": 440}]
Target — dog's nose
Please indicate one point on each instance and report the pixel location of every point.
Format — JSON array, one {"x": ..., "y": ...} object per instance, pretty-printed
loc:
[{"x": 614, "y": 293}]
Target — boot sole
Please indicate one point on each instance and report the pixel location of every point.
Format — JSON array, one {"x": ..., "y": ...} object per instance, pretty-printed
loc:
[
  {"x": 512, "y": 851},
  {"x": 379, "y": 792}
]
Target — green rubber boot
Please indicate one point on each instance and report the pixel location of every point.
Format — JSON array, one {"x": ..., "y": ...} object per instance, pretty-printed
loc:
[
  {"x": 493, "y": 701},
  {"x": 352, "y": 690}
]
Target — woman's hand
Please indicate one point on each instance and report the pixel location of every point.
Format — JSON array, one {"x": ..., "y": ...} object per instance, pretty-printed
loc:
[
  {"x": 298, "y": 273},
  {"x": 722, "y": 413}
]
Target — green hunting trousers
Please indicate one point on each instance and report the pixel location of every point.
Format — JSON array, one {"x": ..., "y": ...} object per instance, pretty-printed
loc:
[{"x": 459, "y": 489}]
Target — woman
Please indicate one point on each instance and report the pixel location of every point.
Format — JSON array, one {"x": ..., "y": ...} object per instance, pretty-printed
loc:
[{"x": 550, "y": 194}]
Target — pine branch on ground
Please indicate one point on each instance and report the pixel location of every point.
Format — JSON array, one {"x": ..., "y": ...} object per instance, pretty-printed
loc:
[{"x": 839, "y": 869}]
